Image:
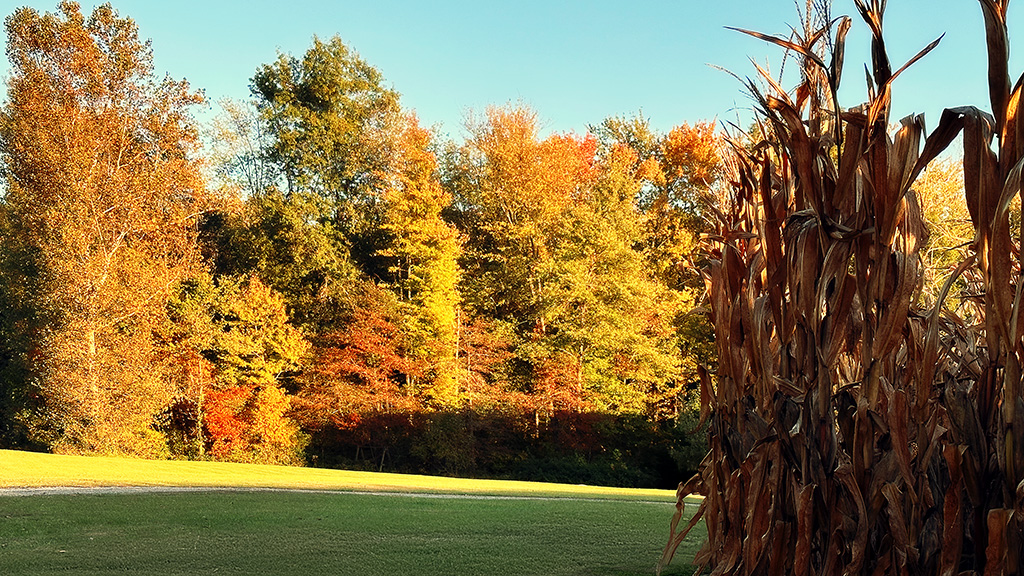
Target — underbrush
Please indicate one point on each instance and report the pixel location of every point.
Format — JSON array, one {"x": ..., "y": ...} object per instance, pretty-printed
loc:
[{"x": 569, "y": 447}]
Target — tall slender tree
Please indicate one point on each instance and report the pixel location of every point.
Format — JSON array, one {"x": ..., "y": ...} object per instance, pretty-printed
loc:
[{"x": 424, "y": 250}]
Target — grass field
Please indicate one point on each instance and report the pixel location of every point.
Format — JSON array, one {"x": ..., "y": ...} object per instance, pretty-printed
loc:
[
  {"x": 532, "y": 529},
  {"x": 31, "y": 469}
]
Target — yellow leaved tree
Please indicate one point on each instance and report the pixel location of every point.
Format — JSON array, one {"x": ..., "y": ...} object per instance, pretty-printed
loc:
[{"x": 102, "y": 192}]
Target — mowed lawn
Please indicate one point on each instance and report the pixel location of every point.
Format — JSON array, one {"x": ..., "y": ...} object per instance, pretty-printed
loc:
[{"x": 475, "y": 528}]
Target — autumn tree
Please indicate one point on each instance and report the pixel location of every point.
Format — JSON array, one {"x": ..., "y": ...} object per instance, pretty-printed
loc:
[
  {"x": 511, "y": 190},
  {"x": 311, "y": 158},
  {"x": 509, "y": 193},
  {"x": 333, "y": 128},
  {"x": 423, "y": 253},
  {"x": 347, "y": 195},
  {"x": 612, "y": 311},
  {"x": 676, "y": 172},
  {"x": 551, "y": 231},
  {"x": 363, "y": 366},
  {"x": 240, "y": 141},
  {"x": 485, "y": 347},
  {"x": 285, "y": 238},
  {"x": 234, "y": 351},
  {"x": 252, "y": 351},
  {"x": 671, "y": 176},
  {"x": 103, "y": 191}
]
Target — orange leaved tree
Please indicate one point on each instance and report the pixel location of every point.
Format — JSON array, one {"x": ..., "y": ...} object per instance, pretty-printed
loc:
[{"x": 102, "y": 191}]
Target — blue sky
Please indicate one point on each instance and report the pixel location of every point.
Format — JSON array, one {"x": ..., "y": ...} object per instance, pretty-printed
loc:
[{"x": 575, "y": 62}]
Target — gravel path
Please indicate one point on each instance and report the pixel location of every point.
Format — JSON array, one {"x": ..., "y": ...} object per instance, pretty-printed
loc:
[{"x": 97, "y": 490}]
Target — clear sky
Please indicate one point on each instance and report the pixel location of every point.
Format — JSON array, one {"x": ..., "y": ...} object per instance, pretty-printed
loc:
[{"x": 574, "y": 61}]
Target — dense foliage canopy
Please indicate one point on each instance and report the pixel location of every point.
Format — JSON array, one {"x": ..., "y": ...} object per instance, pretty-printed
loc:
[{"x": 327, "y": 281}]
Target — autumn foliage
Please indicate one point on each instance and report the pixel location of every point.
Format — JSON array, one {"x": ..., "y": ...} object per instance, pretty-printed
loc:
[
  {"x": 102, "y": 195},
  {"x": 331, "y": 282}
]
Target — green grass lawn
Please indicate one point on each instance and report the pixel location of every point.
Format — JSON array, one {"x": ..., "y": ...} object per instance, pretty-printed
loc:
[
  {"x": 315, "y": 533},
  {"x": 582, "y": 531}
]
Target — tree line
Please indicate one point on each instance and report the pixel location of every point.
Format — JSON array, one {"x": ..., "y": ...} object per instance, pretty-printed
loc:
[{"x": 326, "y": 280}]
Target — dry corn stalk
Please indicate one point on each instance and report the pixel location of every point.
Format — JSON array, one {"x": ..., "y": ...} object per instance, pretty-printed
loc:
[{"x": 851, "y": 431}]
